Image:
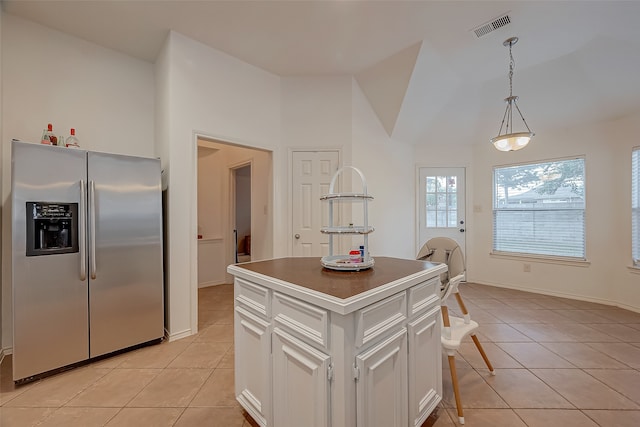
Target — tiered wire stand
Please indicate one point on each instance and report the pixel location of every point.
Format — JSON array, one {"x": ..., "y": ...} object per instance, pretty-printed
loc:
[{"x": 344, "y": 262}]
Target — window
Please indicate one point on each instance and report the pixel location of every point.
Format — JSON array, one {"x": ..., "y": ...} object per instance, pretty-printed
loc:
[
  {"x": 635, "y": 206},
  {"x": 442, "y": 201},
  {"x": 538, "y": 209}
]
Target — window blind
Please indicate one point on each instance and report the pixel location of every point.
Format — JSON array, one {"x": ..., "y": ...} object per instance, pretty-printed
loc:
[{"x": 539, "y": 209}]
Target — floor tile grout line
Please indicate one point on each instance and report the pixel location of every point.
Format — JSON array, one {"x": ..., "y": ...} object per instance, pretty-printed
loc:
[
  {"x": 556, "y": 391},
  {"x": 594, "y": 349},
  {"x": 616, "y": 391},
  {"x": 187, "y": 406}
]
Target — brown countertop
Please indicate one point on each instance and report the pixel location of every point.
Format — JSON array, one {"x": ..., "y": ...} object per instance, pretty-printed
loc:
[{"x": 308, "y": 273}]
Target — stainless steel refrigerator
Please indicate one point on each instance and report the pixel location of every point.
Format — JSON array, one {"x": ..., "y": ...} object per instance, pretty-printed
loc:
[{"x": 86, "y": 255}]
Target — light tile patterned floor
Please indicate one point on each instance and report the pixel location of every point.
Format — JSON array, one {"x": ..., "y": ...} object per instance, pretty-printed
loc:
[{"x": 559, "y": 362}]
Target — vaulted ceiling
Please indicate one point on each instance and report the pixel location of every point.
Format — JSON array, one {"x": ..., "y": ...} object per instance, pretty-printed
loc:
[{"x": 426, "y": 73}]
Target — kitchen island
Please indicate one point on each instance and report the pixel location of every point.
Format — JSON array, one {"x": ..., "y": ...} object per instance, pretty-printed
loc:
[{"x": 316, "y": 347}]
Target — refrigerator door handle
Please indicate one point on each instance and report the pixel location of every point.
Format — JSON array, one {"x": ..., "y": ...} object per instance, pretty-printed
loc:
[
  {"x": 83, "y": 231},
  {"x": 92, "y": 231}
]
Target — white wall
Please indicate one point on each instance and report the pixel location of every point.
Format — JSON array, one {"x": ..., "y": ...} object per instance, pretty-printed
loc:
[
  {"x": 388, "y": 166},
  {"x": 161, "y": 120},
  {"x": 215, "y": 95},
  {"x": 49, "y": 77},
  {"x": 606, "y": 277},
  {"x": 211, "y": 204},
  {"x": 55, "y": 78},
  {"x": 316, "y": 114},
  {"x": 2, "y": 255}
]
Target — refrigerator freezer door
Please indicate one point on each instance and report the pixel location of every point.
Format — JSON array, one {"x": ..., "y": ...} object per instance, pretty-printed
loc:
[
  {"x": 50, "y": 315},
  {"x": 125, "y": 252}
]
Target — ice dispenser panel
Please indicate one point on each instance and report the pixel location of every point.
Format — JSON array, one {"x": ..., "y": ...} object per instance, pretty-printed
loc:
[{"x": 52, "y": 228}]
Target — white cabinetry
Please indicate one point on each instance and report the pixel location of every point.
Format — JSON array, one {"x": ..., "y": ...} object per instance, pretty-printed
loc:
[
  {"x": 308, "y": 359},
  {"x": 300, "y": 383},
  {"x": 253, "y": 350},
  {"x": 301, "y": 367},
  {"x": 425, "y": 374},
  {"x": 382, "y": 383}
]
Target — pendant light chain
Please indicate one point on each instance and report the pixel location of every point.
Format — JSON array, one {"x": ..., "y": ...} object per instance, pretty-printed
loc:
[
  {"x": 510, "y": 140},
  {"x": 512, "y": 65}
]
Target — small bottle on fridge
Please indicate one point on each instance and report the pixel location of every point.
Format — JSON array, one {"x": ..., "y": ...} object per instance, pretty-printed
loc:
[
  {"x": 72, "y": 140},
  {"x": 48, "y": 136},
  {"x": 61, "y": 141}
]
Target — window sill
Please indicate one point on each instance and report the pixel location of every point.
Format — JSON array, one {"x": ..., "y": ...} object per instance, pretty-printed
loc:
[{"x": 543, "y": 259}]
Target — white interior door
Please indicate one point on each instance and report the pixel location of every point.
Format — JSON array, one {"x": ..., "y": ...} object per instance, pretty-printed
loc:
[
  {"x": 442, "y": 204},
  {"x": 311, "y": 176}
]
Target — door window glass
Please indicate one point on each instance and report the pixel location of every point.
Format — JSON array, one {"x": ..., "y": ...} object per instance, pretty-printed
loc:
[{"x": 442, "y": 201}]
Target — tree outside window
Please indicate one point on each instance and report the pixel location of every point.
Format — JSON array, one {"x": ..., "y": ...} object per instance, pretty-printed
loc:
[{"x": 539, "y": 209}]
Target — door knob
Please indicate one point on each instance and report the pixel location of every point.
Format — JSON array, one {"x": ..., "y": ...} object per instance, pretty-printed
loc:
[
  {"x": 462, "y": 230},
  {"x": 297, "y": 236}
]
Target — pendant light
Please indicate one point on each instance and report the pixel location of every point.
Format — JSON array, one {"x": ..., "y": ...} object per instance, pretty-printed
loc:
[{"x": 510, "y": 140}]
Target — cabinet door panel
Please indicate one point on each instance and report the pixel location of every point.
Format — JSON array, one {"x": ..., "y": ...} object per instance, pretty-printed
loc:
[
  {"x": 253, "y": 370},
  {"x": 425, "y": 366},
  {"x": 300, "y": 383},
  {"x": 381, "y": 391}
]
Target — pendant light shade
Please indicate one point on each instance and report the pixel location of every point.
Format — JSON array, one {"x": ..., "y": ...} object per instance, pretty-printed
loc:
[{"x": 510, "y": 140}]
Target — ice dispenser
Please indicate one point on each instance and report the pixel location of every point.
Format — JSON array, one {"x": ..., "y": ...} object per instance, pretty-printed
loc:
[{"x": 52, "y": 228}]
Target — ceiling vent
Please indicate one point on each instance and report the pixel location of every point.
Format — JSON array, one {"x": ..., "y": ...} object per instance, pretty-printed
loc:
[{"x": 492, "y": 25}]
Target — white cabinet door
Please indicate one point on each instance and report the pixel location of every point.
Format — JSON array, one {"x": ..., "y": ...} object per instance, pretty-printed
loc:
[
  {"x": 300, "y": 383},
  {"x": 425, "y": 366},
  {"x": 381, "y": 390},
  {"x": 253, "y": 364}
]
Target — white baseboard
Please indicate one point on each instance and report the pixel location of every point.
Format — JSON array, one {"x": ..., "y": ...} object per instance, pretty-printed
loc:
[
  {"x": 5, "y": 352},
  {"x": 212, "y": 283},
  {"x": 628, "y": 307},
  {"x": 177, "y": 335},
  {"x": 561, "y": 295}
]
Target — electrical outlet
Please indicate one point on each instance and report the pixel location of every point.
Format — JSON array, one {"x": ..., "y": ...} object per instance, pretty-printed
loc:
[{"x": 526, "y": 268}]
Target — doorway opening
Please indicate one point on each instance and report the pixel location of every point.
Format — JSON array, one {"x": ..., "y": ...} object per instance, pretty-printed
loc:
[
  {"x": 235, "y": 223},
  {"x": 241, "y": 196}
]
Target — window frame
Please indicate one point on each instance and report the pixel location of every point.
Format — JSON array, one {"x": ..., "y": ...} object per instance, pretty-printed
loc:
[{"x": 548, "y": 257}]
